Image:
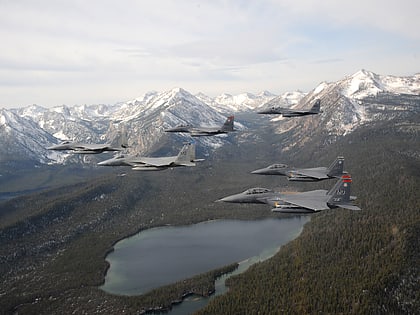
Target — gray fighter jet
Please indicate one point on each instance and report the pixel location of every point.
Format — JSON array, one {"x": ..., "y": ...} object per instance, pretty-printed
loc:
[
  {"x": 84, "y": 148},
  {"x": 185, "y": 157},
  {"x": 205, "y": 131},
  {"x": 287, "y": 112},
  {"x": 335, "y": 170},
  {"x": 304, "y": 202}
]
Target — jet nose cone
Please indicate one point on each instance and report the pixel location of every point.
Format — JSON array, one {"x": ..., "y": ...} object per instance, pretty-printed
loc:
[
  {"x": 228, "y": 199},
  {"x": 259, "y": 171}
]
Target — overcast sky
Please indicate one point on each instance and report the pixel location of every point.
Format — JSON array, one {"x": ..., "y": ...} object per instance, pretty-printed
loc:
[{"x": 71, "y": 52}]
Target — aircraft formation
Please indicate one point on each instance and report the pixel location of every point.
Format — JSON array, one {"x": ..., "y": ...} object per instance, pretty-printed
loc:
[{"x": 303, "y": 202}]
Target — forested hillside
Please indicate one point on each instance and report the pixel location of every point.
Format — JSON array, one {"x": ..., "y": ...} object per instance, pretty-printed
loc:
[{"x": 347, "y": 262}]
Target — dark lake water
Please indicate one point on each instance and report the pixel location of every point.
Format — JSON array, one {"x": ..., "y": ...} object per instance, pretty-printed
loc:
[{"x": 162, "y": 256}]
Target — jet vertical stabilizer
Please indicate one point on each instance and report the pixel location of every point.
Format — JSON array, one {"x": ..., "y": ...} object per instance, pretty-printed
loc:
[
  {"x": 186, "y": 157},
  {"x": 228, "y": 125},
  {"x": 316, "y": 108},
  {"x": 122, "y": 138},
  {"x": 340, "y": 194},
  {"x": 336, "y": 169}
]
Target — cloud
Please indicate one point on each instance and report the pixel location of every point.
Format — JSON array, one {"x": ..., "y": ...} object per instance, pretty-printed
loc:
[{"x": 83, "y": 45}]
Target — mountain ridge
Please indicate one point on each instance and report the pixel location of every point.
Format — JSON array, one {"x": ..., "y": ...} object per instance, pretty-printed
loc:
[{"x": 357, "y": 99}]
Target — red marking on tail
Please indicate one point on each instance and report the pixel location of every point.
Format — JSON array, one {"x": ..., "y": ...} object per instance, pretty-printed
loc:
[{"x": 346, "y": 178}]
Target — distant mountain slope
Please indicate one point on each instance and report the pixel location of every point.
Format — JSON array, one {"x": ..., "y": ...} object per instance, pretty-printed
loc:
[
  {"x": 20, "y": 135},
  {"x": 359, "y": 99},
  {"x": 240, "y": 103}
]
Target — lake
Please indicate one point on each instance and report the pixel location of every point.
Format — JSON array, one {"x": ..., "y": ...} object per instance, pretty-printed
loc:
[{"x": 161, "y": 256}]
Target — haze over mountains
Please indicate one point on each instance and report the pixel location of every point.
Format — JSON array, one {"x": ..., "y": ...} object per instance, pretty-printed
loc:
[{"x": 361, "y": 98}]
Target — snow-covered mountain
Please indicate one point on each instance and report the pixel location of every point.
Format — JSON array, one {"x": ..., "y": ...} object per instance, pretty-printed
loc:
[
  {"x": 21, "y": 139},
  {"x": 361, "y": 98},
  {"x": 356, "y": 100},
  {"x": 227, "y": 103},
  {"x": 78, "y": 123},
  {"x": 287, "y": 99},
  {"x": 143, "y": 119},
  {"x": 364, "y": 83}
]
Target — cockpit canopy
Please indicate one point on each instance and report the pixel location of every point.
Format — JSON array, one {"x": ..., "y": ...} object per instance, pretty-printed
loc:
[
  {"x": 253, "y": 191},
  {"x": 277, "y": 166}
]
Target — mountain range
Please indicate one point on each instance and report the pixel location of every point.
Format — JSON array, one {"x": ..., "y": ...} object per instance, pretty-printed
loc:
[{"x": 355, "y": 100}]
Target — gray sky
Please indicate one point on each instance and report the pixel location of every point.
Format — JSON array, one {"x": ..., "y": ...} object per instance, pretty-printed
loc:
[{"x": 56, "y": 52}]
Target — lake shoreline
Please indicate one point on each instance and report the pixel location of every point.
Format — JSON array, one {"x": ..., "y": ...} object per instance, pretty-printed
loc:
[
  {"x": 188, "y": 294},
  {"x": 282, "y": 231}
]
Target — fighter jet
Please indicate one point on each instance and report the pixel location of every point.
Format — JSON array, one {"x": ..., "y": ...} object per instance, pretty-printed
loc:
[
  {"x": 83, "y": 148},
  {"x": 304, "y": 202},
  {"x": 287, "y": 112},
  {"x": 335, "y": 170},
  {"x": 205, "y": 131},
  {"x": 185, "y": 157}
]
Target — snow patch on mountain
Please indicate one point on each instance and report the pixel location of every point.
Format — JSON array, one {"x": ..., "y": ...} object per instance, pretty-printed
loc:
[
  {"x": 22, "y": 139},
  {"x": 286, "y": 100},
  {"x": 320, "y": 87},
  {"x": 241, "y": 102},
  {"x": 365, "y": 83}
]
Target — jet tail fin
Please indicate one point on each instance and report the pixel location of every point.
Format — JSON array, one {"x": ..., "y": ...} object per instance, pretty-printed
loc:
[
  {"x": 228, "y": 125},
  {"x": 336, "y": 169},
  {"x": 316, "y": 108},
  {"x": 186, "y": 156},
  {"x": 340, "y": 194},
  {"x": 122, "y": 138}
]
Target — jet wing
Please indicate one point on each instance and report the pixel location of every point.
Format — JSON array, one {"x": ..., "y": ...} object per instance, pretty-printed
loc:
[
  {"x": 203, "y": 131},
  {"x": 318, "y": 173},
  {"x": 95, "y": 148},
  {"x": 272, "y": 110},
  {"x": 153, "y": 161},
  {"x": 315, "y": 200},
  {"x": 297, "y": 111},
  {"x": 90, "y": 147}
]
